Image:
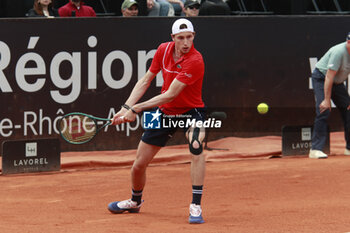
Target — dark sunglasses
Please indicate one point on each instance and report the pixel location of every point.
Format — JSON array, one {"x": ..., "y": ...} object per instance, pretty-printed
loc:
[{"x": 194, "y": 7}]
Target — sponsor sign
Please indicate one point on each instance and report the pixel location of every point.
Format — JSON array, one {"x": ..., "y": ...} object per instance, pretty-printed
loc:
[
  {"x": 24, "y": 156},
  {"x": 296, "y": 140}
]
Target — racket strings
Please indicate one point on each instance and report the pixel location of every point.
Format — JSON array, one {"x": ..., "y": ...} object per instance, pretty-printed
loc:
[{"x": 77, "y": 128}]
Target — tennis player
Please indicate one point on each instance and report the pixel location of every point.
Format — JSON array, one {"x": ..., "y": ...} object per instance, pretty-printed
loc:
[
  {"x": 328, "y": 83},
  {"x": 182, "y": 67}
]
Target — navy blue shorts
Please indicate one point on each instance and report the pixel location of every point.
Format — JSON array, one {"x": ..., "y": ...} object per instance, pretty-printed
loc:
[{"x": 159, "y": 137}]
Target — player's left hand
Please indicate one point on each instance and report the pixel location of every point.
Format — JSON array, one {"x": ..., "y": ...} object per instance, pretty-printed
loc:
[{"x": 129, "y": 116}]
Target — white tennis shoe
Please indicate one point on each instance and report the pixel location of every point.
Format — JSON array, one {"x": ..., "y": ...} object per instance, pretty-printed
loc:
[
  {"x": 317, "y": 154},
  {"x": 119, "y": 207},
  {"x": 195, "y": 214},
  {"x": 346, "y": 151}
]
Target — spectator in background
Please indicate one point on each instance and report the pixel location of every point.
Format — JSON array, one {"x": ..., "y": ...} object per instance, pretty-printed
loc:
[
  {"x": 178, "y": 6},
  {"x": 166, "y": 9},
  {"x": 43, "y": 8},
  {"x": 153, "y": 8},
  {"x": 191, "y": 8},
  {"x": 214, "y": 7},
  {"x": 76, "y": 8},
  {"x": 130, "y": 8}
]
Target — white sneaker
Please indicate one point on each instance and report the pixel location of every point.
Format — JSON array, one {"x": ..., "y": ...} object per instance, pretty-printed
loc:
[
  {"x": 127, "y": 204},
  {"x": 121, "y": 206},
  {"x": 195, "y": 214},
  {"x": 346, "y": 151},
  {"x": 317, "y": 154}
]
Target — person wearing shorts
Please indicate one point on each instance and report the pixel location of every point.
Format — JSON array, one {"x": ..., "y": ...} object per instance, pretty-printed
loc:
[{"x": 182, "y": 67}]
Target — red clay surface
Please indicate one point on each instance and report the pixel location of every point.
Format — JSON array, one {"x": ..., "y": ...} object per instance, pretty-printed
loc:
[{"x": 244, "y": 192}]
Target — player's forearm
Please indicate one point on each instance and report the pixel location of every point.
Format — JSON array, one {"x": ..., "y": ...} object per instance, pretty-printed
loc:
[
  {"x": 154, "y": 102},
  {"x": 328, "y": 83},
  {"x": 140, "y": 88},
  {"x": 328, "y": 90},
  {"x": 137, "y": 92},
  {"x": 174, "y": 90}
]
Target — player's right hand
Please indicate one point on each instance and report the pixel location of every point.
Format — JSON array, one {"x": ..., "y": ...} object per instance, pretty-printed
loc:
[
  {"x": 118, "y": 118},
  {"x": 325, "y": 105}
]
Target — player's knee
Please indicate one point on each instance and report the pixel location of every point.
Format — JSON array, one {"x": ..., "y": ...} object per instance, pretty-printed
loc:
[
  {"x": 195, "y": 146},
  {"x": 196, "y": 151},
  {"x": 138, "y": 168}
]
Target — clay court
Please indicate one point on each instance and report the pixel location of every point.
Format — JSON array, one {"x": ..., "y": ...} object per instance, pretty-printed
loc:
[{"x": 249, "y": 188}]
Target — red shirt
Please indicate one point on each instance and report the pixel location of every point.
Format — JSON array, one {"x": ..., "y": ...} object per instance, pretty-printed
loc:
[
  {"x": 189, "y": 69},
  {"x": 83, "y": 11}
]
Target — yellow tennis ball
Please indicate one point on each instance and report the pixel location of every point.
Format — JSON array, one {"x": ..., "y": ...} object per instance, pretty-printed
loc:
[{"x": 263, "y": 108}]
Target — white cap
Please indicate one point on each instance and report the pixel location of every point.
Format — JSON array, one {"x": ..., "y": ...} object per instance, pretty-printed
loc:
[{"x": 182, "y": 25}]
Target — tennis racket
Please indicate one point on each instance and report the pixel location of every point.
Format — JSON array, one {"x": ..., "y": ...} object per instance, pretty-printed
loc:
[{"x": 79, "y": 128}]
